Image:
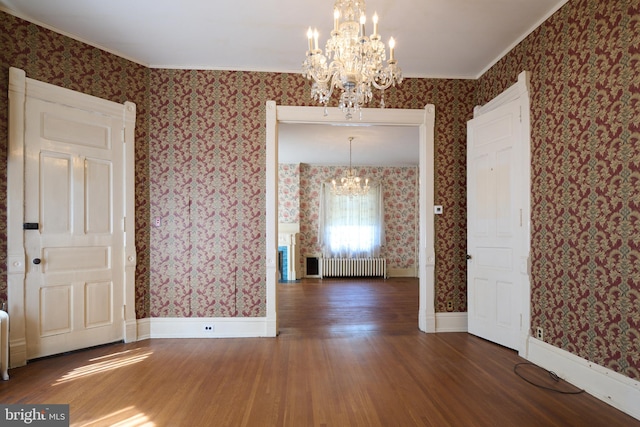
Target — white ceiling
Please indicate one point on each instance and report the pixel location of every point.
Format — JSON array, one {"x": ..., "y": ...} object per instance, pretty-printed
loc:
[
  {"x": 322, "y": 144},
  {"x": 435, "y": 38}
]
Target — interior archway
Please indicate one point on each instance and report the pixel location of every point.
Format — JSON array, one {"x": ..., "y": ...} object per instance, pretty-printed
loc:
[{"x": 424, "y": 121}]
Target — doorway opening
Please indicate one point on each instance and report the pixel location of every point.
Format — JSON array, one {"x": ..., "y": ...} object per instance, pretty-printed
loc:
[{"x": 424, "y": 121}]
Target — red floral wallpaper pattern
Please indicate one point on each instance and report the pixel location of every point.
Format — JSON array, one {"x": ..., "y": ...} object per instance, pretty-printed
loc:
[
  {"x": 585, "y": 177},
  {"x": 400, "y": 210},
  {"x": 207, "y": 188}
]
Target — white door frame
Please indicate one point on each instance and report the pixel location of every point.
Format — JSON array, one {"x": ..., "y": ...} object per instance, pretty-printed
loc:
[
  {"x": 424, "y": 120},
  {"x": 520, "y": 91},
  {"x": 19, "y": 88}
]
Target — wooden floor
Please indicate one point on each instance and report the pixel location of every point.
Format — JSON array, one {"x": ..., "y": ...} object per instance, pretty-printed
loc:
[{"x": 349, "y": 354}]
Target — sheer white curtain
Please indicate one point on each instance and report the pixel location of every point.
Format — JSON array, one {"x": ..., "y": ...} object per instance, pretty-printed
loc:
[{"x": 351, "y": 226}]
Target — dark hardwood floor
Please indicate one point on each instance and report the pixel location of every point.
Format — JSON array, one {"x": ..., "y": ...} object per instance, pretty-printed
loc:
[{"x": 349, "y": 353}]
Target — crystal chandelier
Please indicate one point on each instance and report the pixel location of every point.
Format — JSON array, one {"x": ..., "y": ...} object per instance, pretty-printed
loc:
[
  {"x": 350, "y": 183},
  {"x": 353, "y": 62}
]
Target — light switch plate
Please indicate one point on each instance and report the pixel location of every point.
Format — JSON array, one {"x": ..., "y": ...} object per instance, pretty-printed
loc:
[{"x": 437, "y": 209}]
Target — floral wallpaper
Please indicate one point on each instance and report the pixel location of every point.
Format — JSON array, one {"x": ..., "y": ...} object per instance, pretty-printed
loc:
[
  {"x": 289, "y": 193},
  {"x": 585, "y": 110},
  {"x": 400, "y": 190},
  {"x": 207, "y": 173}
]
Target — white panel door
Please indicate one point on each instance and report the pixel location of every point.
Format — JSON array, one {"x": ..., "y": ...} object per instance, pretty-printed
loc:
[
  {"x": 494, "y": 225},
  {"x": 74, "y": 193}
]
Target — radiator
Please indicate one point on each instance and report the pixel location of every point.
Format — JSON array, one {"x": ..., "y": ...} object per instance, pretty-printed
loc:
[
  {"x": 354, "y": 267},
  {"x": 4, "y": 345}
]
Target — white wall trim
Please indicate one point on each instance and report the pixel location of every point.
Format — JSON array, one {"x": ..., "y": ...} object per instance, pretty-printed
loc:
[
  {"x": 605, "y": 384},
  {"x": 451, "y": 322},
  {"x": 518, "y": 90},
  {"x": 16, "y": 255},
  {"x": 194, "y": 327},
  {"x": 143, "y": 329}
]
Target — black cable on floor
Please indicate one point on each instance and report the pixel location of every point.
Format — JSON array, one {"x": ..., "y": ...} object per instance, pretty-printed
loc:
[{"x": 551, "y": 374}]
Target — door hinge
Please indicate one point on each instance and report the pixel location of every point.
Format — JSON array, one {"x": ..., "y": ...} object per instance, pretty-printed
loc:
[{"x": 124, "y": 141}]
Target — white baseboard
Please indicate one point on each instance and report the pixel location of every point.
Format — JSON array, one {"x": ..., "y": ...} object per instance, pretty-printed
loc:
[
  {"x": 451, "y": 322},
  {"x": 197, "y": 327},
  {"x": 144, "y": 329},
  {"x": 402, "y": 272},
  {"x": 17, "y": 353},
  {"x": 131, "y": 330},
  {"x": 617, "y": 390}
]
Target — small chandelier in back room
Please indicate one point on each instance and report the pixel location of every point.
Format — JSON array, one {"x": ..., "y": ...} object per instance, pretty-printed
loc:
[
  {"x": 353, "y": 62},
  {"x": 350, "y": 184}
]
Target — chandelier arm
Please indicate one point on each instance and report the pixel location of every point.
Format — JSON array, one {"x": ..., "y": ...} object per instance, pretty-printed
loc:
[
  {"x": 322, "y": 75},
  {"x": 313, "y": 74},
  {"x": 386, "y": 85}
]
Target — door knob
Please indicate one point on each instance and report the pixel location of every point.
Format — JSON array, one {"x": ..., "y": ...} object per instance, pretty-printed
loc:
[
  {"x": 468, "y": 256},
  {"x": 36, "y": 261}
]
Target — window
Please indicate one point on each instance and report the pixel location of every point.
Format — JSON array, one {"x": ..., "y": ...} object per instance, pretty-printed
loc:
[{"x": 351, "y": 226}]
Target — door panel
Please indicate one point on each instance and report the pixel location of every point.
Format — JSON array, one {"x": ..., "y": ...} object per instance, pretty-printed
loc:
[
  {"x": 55, "y": 310},
  {"x": 504, "y": 205},
  {"x": 81, "y": 129},
  {"x": 98, "y": 195},
  {"x": 98, "y": 304},
  {"x": 76, "y": 259},
  {"x": 55, "y": 187},
  {"x": 494, "y": 286},
  {"x": 73, "y": 168}
]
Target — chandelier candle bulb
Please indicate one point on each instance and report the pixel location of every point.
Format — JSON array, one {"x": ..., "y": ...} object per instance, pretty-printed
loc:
[
  {"x": 315, "y": 38},
  {"x": 336, "y": 17},
  {"x": 310, "y": 37},
  {"x": 363, "y": 20},
  {"x": 375, "y": 24},
  {"x": 392, "y": 45}
]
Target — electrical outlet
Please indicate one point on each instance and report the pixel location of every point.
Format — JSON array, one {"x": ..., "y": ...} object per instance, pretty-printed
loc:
[
  {"x": 449, "y": 305},
  {"x": 157, "y": 222},
  {"x": 540, "y": 334},
  {"x": 208, "y": 328}
]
